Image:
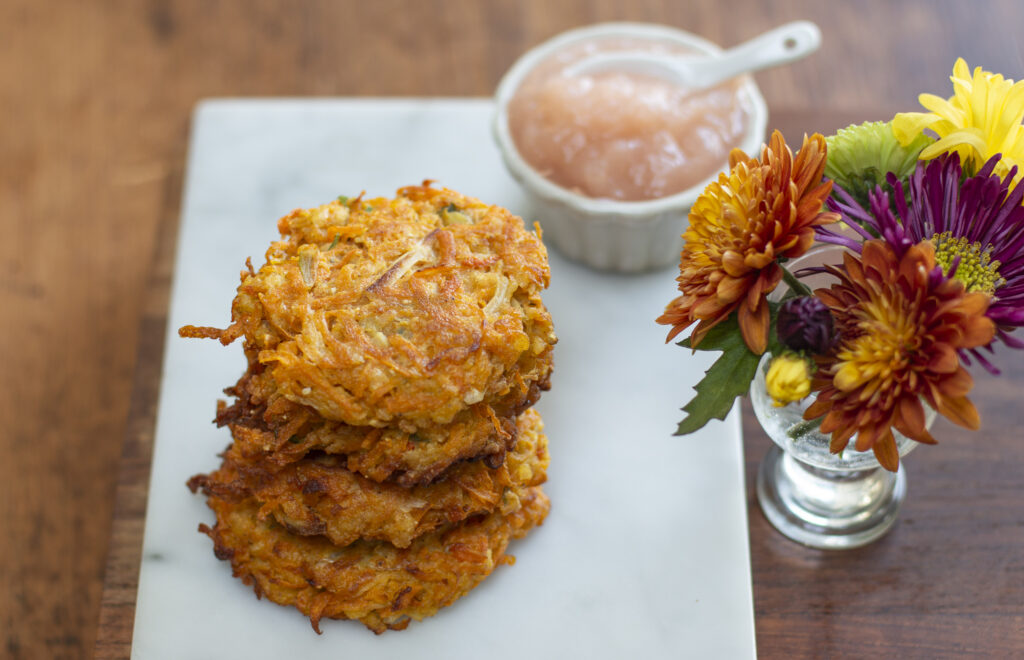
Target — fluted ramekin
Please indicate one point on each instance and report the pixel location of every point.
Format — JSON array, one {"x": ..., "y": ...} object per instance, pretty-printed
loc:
[{"x": 604, "y": 233}]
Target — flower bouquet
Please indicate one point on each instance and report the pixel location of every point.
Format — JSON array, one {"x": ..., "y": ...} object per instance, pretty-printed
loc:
[{"x": 929, "y": 281}]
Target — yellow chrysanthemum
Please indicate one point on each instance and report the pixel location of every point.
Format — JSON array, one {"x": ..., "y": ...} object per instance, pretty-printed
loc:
[{"x": 983, "y": 118}]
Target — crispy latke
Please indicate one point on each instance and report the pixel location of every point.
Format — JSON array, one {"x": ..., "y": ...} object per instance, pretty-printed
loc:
[
  {"x": 411, "y": 309},
  {"x": 269, "y": 428},
  {"x": 319, "y": 496},
  {"x": 372, "y": 581}
]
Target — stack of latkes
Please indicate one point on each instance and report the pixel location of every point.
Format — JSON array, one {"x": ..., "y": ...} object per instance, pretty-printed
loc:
[{"x": 384, "y": 451}]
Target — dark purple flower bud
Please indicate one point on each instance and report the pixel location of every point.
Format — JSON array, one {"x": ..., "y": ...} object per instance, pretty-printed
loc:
[{"x": 805, "y": 324}]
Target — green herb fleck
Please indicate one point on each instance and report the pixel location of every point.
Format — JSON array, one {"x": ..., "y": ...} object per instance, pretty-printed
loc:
[
  {"x": 337, "y": 237},
  {"x": 343, "y": 199},
  {"x": 295, "y": 439},
  {"x": 451, "y": 208}
]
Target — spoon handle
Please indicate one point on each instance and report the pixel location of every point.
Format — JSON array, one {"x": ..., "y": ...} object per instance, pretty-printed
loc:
[{"x": 782, "y": 45}]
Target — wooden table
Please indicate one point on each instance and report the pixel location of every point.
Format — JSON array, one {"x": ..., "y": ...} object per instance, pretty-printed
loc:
[{"x": 95, "y": 108}]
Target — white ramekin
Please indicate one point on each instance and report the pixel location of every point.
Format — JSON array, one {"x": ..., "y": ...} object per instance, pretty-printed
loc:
[{"x": 603, "y": 233}]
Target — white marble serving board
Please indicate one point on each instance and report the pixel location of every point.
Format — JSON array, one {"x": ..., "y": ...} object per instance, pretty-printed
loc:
[{"x": 645, "y": 552}]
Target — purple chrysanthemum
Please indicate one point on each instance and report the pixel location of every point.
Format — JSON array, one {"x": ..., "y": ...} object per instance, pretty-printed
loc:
[
  {"x": 976, "y": 225},
  {"x": 805, "y": 324}
]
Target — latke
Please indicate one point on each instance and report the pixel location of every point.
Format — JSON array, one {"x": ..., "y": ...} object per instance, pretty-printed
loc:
[
  {"x": 407, "y": 309},
  {"x": 319, "y": 496},
  {"x": 371, "y": 581},
  {"x": 267, "y": 427}
]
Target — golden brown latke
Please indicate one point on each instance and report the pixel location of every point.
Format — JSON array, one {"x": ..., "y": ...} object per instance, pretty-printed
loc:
[
  {"x": 267, "y": 428},
  {"x": 411, "y": 309},
  {"x": 319, "y": 496},
  {"x": 372, "y": 581}
]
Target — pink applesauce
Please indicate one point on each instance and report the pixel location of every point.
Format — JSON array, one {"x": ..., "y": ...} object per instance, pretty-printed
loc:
[{"x": 623, "y": 135}]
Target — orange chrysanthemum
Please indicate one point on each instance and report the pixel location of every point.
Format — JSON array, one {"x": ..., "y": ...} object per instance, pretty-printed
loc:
[
  {"x": 762, "y": 211},
  {"x": 901, "y": 325}
]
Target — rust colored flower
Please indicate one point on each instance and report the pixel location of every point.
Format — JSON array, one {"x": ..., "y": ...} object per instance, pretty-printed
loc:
[
  {"x": 901, "y": 324},
  {"x": 762, "y": 211}
]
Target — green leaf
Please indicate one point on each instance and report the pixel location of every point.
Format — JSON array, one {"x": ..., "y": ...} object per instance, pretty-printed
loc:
[
  {"x": 731, "y": 374},
  {"x": 727, "y": 335},
  {"x": 728, "y": 378},
  {"x": 337, "y": 237},
  {"x": 343, "y": 199}
]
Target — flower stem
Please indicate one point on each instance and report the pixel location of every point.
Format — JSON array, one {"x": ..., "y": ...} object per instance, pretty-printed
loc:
[
  {"x": 795, "y": 284},
  {"x": 798, "y": 430}
]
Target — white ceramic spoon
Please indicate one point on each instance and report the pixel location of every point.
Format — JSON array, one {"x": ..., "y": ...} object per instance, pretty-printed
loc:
[{"x": 782, "y": 45}]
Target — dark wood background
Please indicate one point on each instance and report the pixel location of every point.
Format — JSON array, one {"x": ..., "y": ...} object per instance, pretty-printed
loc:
[{"x": 95, "y": 105}]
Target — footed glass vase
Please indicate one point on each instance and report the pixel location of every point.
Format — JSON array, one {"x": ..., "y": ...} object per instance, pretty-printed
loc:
[{"x": 820, "y": 499}]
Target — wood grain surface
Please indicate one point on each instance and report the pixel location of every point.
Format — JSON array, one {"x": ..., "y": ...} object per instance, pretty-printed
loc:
[{"x": 95, "y": 104}]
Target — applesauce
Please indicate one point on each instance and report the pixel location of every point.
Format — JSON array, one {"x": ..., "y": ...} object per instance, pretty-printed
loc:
[{"x": 623, "y": 135}]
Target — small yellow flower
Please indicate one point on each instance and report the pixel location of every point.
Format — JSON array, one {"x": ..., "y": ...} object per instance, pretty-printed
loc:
[
  {"x": 788, "y": 379},
  {"x": 982, "y": 118}
]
